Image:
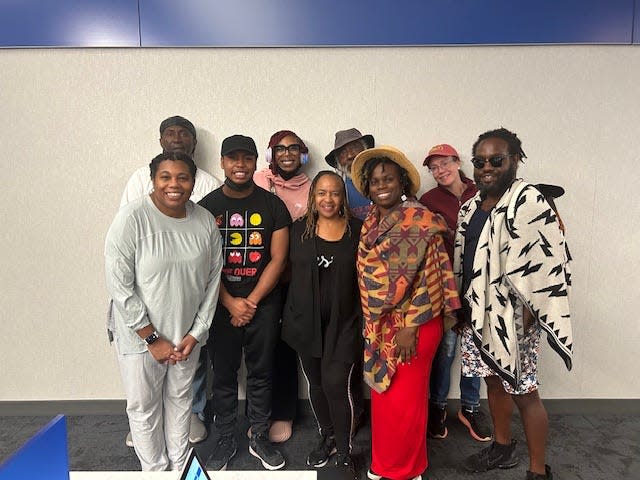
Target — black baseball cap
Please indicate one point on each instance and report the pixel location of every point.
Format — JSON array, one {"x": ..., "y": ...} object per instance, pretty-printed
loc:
[
  {"x": 238, "y": 142},
  {"x": 180, "y": 121}
]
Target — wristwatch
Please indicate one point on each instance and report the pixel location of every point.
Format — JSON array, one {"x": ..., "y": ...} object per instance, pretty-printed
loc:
[{"x": 149, "y": 339}]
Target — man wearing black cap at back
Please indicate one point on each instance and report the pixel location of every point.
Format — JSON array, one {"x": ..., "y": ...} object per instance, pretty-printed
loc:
[
  {"x": 177, "y": 134},
  {"x": 254, "y": 225}
]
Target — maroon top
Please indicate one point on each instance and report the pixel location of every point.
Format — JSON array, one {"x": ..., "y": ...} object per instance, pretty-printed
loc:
[{"x": 442, "y": 201}]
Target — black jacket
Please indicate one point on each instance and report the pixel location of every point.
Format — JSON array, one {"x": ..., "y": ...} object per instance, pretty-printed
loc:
[{"x": 301, "y": 322}]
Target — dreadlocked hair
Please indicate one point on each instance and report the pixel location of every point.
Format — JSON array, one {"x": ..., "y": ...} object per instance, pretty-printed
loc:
[
  {"x": 312, "y": 213},
  {"x": 515, "y": 144},
  {"x": 372, "y": 163}
]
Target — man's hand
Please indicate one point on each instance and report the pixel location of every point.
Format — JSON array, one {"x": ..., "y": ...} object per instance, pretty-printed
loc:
[
  {"x": 185, "y": 347},
  {"x": 162, "y": 351},
  {"x": 241, "y": 308}
]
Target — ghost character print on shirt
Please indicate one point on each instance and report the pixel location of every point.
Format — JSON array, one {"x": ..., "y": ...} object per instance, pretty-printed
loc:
[{"x": 243, "y": 244}]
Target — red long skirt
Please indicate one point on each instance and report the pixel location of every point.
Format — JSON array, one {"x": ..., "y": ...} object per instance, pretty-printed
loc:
[{"x": 399, "y": 415}]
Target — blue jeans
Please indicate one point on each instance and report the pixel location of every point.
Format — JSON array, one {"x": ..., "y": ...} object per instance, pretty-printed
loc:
[
  {"x": 199, "y": 385},
  {"x": 441, "y": 376}
]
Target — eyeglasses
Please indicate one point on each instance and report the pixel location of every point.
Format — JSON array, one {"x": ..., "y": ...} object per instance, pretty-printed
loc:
[
  {"x": 293, "y": 149},
  {"x": 495, "y": 161},
  {"x": 444, "y": 164}
]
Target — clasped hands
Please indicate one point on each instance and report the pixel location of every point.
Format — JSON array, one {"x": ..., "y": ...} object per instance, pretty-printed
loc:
[
  {"x": 242, "y": 311},
  {"x": 165, "y": 352}
]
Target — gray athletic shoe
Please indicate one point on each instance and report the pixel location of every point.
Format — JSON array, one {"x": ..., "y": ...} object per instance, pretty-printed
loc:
[{"x": 197, "y": 429}]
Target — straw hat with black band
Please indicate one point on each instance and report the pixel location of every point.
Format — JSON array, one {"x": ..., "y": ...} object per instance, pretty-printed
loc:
[{"x": 393, "y": 154}]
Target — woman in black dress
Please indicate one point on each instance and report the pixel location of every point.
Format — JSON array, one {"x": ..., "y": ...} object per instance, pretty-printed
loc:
[{"x": 322, "y": 318}]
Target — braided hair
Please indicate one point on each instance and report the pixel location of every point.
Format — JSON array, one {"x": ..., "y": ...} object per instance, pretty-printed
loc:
[
  {"x": 515, "y": 144},
  {"x": 312, "y": 213}
]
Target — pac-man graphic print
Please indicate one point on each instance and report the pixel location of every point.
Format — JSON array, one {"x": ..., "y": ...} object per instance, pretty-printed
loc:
[{"x": 243, "y": 243}]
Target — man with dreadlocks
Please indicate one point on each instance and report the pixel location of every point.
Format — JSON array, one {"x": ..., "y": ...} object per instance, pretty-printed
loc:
[{"x": 511, "y": 266}]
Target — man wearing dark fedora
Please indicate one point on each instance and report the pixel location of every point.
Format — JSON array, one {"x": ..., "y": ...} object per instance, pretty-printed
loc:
[
  {"x": 177, "y": 134},
  {"x": 347, "y": 145}
]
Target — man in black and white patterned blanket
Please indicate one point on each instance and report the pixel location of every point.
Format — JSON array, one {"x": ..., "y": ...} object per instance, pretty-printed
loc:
[{"x": 511, "y": 264}]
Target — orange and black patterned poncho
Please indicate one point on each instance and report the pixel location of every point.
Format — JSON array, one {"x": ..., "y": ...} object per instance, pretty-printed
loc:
[{"x": 405, "y": 280}]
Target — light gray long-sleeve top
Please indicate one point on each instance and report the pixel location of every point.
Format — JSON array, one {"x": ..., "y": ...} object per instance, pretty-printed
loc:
[{"x": 164, "y": 271}]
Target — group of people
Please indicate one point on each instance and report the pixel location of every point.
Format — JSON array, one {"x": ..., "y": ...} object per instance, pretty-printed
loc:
[{"x": 348, "y": 274}]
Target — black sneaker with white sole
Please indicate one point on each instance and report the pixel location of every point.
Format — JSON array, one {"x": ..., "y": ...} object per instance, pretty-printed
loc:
[
  {"x": 261, "y": 448},
  {"x": 224, "y": 451},
  {"x": 494, "y": 456},
  {"x": 345, "y": 470},
  {"x": 319, "y": 456}
]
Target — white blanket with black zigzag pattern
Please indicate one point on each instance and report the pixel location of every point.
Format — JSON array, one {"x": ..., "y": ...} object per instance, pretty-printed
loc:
[{"x": 521, "y": 258}]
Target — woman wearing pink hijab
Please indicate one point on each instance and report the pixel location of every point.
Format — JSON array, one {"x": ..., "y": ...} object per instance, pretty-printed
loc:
[{"x": 286, "y": 154}]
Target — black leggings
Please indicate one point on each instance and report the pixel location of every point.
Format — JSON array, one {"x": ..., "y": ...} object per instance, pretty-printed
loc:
[{"x": 331, "y": 401}]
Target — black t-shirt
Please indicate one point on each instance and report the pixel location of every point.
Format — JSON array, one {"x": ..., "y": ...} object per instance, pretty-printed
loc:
[
  {"x": 328, "y": 255},
  {"x": 246, "y": 225},
  {"x": 471, "y": 237}
]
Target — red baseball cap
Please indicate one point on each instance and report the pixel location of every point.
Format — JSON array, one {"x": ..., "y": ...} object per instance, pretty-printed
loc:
[{"x": 441, "y": 150}]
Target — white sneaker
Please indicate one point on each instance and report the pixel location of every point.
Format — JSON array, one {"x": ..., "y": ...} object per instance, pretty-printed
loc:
[
  {"x": 128, "y": 441},
  {"x": 375, "y": 476},
  {"x": 197, "y": 429}
]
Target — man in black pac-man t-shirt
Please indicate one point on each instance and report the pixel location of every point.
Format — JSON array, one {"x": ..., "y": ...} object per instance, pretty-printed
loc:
[{"x": 254, "y": 225}]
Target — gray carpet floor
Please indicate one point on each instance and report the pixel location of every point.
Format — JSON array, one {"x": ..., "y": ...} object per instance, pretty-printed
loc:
[{"x": 601, "y": 445}]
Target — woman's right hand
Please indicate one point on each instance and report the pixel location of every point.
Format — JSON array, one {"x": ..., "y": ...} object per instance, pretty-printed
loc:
[{"x": 406, "y": 342}]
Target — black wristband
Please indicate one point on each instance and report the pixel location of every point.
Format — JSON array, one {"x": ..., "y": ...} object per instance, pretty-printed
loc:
[{"x": 151, "y": 338}]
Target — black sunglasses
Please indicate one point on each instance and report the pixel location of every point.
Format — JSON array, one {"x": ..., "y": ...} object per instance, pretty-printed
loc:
[{"x": 495, "y": 161}]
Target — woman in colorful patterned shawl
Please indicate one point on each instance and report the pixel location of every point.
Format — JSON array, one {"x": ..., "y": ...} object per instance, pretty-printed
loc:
[{"x": 406, "y": 288}]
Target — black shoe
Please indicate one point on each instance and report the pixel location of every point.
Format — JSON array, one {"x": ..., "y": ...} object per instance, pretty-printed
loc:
[
  {"x": 345, "y": 467},
  {"x": 475, "y": 421},
  {"x": 319, "y": 456},
  {"x": 224, "y": 451},
  {"x": 435, "y": 425},
  {"x": 261, "y": 448},
  {"x": 494, "y": 456},
  {"x": 536, "y": 476}
]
